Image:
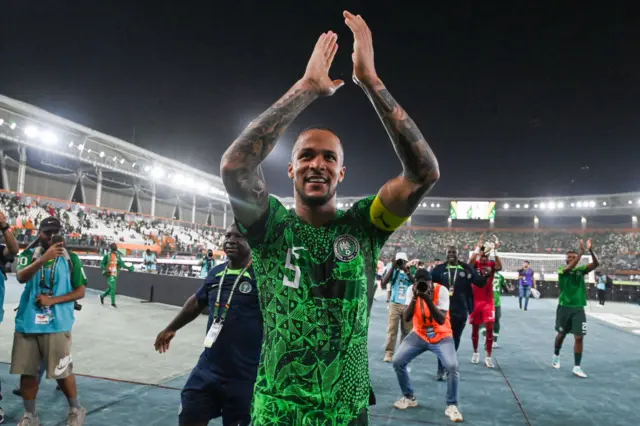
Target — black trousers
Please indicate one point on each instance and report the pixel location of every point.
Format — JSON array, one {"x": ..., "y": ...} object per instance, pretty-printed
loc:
[
  {"x": 601, "y": 296},
  {"x": 457, "y": 327}
]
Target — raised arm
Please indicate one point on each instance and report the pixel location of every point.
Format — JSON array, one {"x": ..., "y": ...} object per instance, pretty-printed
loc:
[
  {"x": 594, "y": 260},
  {"x": 11, "y": 248},
  {"x": 420, "y": 170},
  {"x": 240, "y": 165}
]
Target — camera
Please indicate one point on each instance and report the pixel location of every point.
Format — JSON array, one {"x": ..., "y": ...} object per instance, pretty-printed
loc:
[
  {"x": 400, "y": 263},
  {"x": 77, "y": 306},
  {"x": 422, "y": 287}
]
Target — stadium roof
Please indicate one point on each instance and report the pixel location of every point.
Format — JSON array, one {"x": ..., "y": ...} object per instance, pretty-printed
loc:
[{"x": 34, "y": 127}]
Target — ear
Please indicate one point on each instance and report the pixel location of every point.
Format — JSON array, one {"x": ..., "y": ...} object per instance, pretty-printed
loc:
[
  {"x": 290, "y": 171},
  {"x": 343, "y": 169}
]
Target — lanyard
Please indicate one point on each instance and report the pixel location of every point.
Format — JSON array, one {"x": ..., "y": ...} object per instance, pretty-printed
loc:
[
  {"x": 216, "y": 308},
  {"x": 455, "y": 276},
  {"x": 52, "y": 278}
]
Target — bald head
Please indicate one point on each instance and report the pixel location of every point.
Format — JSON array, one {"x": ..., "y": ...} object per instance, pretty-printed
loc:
[{"x": 318, "y": 137}]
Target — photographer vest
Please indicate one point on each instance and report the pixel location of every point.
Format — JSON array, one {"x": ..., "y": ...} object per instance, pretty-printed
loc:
[{"x": 423, "y": 323}]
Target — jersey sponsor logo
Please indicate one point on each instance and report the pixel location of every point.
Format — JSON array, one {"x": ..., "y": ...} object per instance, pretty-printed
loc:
[
  {"x": 462, "y": 274},
  {"x": 245, "y": 287},
  {"x": 63, "y": 364},
  {"x": 346, "y": 248}
]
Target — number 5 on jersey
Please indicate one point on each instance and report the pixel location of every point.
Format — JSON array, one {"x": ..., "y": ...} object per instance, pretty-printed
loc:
[{"x": 290, "y": 266}]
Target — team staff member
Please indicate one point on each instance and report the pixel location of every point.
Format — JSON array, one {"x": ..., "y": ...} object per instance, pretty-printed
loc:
[
  {"x": 111, "y": 264},
  {"x": 400, "y": 279},
  {"x": 457, "y": 277},
  {"x": 526, "y": 280},
  {"x": 54, "y": 281},
  {"x": 428, "y": 306},
  {"x": 570, "y": 316},
  {"x": 7, "y": 251},
  {"x": 222, "y": 382}
]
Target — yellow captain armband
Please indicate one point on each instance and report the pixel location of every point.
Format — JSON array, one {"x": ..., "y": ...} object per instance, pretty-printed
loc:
[{"x": 383, "y": 218}]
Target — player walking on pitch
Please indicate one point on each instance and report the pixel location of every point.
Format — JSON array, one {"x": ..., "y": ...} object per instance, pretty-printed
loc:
[
  {"x": 483, "y": 307},
  {"x": 316, "y": 265},
  {"x": 570, "y": 316},
  {"x": 499, "y": 284}
]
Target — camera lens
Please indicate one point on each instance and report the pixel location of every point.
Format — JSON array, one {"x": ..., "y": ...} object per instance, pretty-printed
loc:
[{"x": 422, "y": 287}]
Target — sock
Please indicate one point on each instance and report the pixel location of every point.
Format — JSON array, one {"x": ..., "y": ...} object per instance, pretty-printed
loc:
[
  {"x": 474, "y": 337},
  {"x": 495, "y": 336},
  {"x": 488, "y": 346},
  {"x": 29, "y": 406},
  {"x": 556, "y": 351},
  {"x": 577, "y": 358},
  {"x": 520, "y": 302},
  {"x": 73, "y": 402}
]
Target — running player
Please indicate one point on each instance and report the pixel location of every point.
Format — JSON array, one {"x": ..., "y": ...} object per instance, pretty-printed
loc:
[
  {"x": 221, "y": 384},
  {"x": 483, "y": 308},
  {"x": 570, "y": 316},
  {"x": 315, "y": 264},
  {"x": 499, "y": 284}
]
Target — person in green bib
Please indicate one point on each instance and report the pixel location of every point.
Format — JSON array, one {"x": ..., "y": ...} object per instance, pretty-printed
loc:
[
  {"x": 570, "y": 316},
  {"x": 111, "y": 264}
]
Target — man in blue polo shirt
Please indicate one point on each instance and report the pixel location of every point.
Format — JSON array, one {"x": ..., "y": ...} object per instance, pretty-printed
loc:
[{"x": 221, "y": 384}]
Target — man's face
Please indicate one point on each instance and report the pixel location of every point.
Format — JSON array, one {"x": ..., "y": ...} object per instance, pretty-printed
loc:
[
  {"x": 316, "y": 166},
  {"x": 452, "y": 255},
  {"x": 46, "y": 236},
  {"x": 571, "y": 257},
  {"x": 235, "y": 244},
  {"x": 484, "y": 259},
  {"x": 526, "y": 265}
]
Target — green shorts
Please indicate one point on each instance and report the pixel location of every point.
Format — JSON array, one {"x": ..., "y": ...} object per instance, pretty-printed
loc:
[{"x": 571, "y": 320}]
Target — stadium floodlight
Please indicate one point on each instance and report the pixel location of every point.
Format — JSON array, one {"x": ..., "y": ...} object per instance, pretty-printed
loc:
[
  {"x": 630, "y": 202},
  {"x": 1, "y": 121},
  {"x": 133, "y": 165},
  {"x": 506, "y": 205},
  {"x": 178, "y": 179},
  {"x": 438, "y": 205},
  {"x": 535, "y": 206},
  {"x": 31, "y": 131},
  {"x": 190, "y": 182},
  {"x": 147, "y": 168},
  {"x": 573, "y": 204},
  {"x": 122, "y": 161},
  {"x": 517, "y": 206},
  {"x": 432, "y": 205},
  {"x": 80, "y": 147},
  {"x": 12, "y": 125},
  {"x": 340, "y": 205},
  {"x": 71, "y": 144},
  {"x": 157, "y": 172},
  {"x": 49, "y": 137},
  {"x": 101, "y": 154},
  {"x": 604, "y": 203},
  {"x": 561, "y": 205},
  {"x": 552, "y": 205},
  {"x": 579, "y": 204},
  {"x": 592, "y": 204},
  {"x": 543, "y": 206}
]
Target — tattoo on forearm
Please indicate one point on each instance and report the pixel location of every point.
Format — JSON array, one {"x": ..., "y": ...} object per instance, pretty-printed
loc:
[{"x": 241, "y": 173}]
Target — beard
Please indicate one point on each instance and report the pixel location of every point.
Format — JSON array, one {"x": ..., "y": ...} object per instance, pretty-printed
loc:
[{"x": 316, "y": 201}]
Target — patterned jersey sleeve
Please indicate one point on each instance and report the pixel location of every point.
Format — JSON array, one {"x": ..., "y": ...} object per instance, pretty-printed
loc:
[{"x": 267, "y": 227}]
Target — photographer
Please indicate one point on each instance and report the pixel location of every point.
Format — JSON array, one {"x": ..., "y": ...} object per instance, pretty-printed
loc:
[
  {"x": 207, "y": 264},
  {"x": 54, "y": 280},
  {"x": 400, "y": 278},
  {"x": 7, "y": 251},
  {"x": 427, "y": 306}
]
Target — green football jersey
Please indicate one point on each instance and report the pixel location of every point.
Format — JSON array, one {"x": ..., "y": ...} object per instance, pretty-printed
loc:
[
  {"x": 573, "y": 292},
  {"x": 316, "y": 287},
  {"x": 498, "y": 284}
]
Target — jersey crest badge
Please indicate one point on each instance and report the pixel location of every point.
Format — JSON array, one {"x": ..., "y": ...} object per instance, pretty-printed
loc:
[
  {"x": 346, "y": 248},
  {"x": 245, "y": 287}
]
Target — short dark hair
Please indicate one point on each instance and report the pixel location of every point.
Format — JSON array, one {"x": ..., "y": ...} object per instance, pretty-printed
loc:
[
  {"x": 572, "y": 251},
  {"x": 317, "y": 127}
]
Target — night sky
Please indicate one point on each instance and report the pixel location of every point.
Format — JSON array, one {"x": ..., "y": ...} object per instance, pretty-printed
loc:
[{"x": 522, "y": 99}]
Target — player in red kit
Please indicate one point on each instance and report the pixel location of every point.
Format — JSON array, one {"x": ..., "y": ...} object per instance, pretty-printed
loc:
[{"x": 483, "y": 301}]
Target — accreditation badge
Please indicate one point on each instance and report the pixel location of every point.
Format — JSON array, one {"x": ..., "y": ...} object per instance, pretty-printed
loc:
[{"x": 212, "y": 334}]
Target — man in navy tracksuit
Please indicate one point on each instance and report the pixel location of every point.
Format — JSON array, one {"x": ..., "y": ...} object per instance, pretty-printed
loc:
[
  {"x": 457, "y": 276},
  {"x": 221, "y": 384}
]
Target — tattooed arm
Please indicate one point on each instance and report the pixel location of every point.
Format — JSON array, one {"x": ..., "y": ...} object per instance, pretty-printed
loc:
[
  {"x": 240, "y": 165},
  {"x": 402, "y": 194}
]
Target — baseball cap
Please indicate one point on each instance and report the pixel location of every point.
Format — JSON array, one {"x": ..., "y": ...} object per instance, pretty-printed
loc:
[
  {"x": 50, "y": 224},
  {"x": 422, "y": 275},
  {"x": 402, "y": 256}
]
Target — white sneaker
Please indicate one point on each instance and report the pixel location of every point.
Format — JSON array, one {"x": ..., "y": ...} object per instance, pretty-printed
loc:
[
  {"x": 453, "y": 413},
  {"x": 29, "y": 420},
  {"x": 488, "y": 362},
  {"x": 476, "y": 358},
  {"x": 495, "y": 345},
  {"x": 555, "y": 363},
  {"x": 404, "y": 403},
  {"x": 577, "y": 371}
]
